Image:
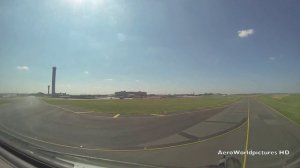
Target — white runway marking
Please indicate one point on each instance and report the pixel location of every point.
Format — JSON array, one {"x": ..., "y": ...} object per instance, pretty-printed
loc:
[
  {"x": 158, "y": 115},
  {"x": 116, "y": 116}
]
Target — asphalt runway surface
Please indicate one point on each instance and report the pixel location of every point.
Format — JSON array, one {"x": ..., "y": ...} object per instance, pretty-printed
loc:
[{"x": 191, "y": 139}]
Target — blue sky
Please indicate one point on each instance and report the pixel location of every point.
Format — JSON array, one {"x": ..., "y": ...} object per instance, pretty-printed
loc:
[{"x": 158, "y": 46}]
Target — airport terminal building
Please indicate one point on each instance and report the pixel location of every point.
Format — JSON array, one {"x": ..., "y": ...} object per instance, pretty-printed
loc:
[{"x": 124, "y": 94}]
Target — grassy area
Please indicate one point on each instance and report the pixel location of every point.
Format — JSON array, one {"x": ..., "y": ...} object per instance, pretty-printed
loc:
[
  {"x": 147, "y": 106},
  {"x": 4, "y": 100},
  {"x": 288, "y": 105}
]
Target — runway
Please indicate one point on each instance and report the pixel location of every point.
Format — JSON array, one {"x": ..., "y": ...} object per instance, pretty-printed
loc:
[{"x": 190, "y": 139}]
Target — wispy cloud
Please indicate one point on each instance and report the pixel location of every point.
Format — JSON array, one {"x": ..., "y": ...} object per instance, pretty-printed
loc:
[
  {"x": 23, "y": 68},
  {"x": 245, "y": 33},
  {"x": 86, "y": 72},
  {"x": 108, "y": 79},
  {"x": 121, "y": 37},
  {"x": 272, "y": 58}
]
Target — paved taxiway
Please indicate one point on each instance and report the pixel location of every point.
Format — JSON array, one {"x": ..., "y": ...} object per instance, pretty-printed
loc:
[{"x": 190, "y": 139}]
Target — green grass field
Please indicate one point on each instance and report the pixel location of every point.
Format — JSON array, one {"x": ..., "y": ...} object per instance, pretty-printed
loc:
[
  {"x": 288, "y": 105},
  {"x": 147, "y": 106},
  {"x": 4, "y": 100}
]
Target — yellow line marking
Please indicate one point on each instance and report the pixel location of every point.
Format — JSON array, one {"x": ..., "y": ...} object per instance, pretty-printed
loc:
[
  {"x": 118, "y": 150},
  {"x": 247, "y": 137},
  {"x": 282, "y": 115},
  {"x": 116, "y": 116}
]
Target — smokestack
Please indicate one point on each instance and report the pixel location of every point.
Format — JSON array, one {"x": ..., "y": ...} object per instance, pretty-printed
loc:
[
  {"x": 53, "y": 80},
  {"x": 48, "y": 89}
]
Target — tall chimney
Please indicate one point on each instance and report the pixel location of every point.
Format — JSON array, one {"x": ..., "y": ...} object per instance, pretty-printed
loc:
[{"x": 53, "y": 80}]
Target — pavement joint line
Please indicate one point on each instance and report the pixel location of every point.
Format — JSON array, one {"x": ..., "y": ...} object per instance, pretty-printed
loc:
[
  {"x": 276, "y": 111},
  {"x": 116, "y": 116},
  {"x": 83, "y": 112},
  {"x": 221, "y": 122},
  {"x": 121, "y": 150},
  {"x": 247, "y": 137}
]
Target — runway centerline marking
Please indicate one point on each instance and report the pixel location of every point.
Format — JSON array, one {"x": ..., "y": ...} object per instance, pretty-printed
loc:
[
  {"x": 116, "y": 116},
  {"x": 247, "y": 137}
]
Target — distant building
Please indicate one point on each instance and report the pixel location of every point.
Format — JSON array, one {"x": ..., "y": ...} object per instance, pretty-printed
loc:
[
  {"x": 124, "y": 94},
  {"x": 61, "y": 94}
]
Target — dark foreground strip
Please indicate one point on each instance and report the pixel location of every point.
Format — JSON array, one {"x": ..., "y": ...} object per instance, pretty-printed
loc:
[{"x": 18, "y": 153}]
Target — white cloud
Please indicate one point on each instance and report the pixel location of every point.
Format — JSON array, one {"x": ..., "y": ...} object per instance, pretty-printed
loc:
[
  {"x": 245, "y": 33},
  {"x": 92, "y": 5},
  {"x": 113, "y": 21},
  {"x": 272, "y": 58},
  {"x": 121, "y": 37},
  {"x": 108, "y": 79},
  {"x": 23, "y": 68},
  {"x": 86, "y": 72}
]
